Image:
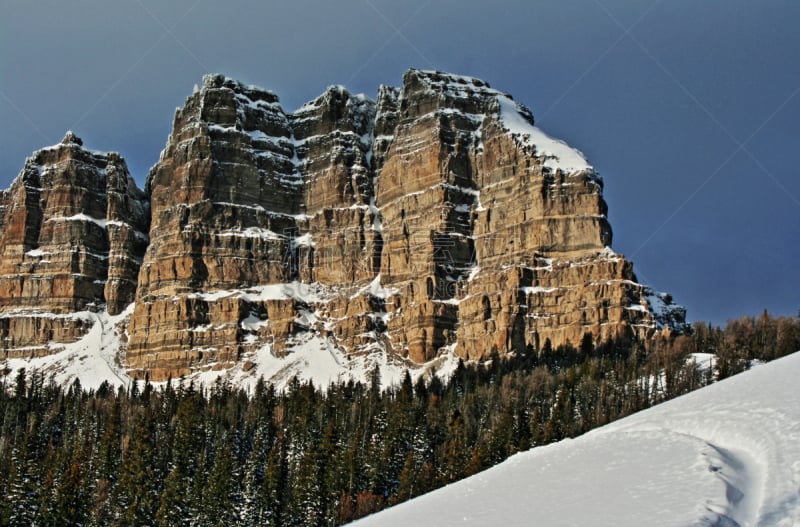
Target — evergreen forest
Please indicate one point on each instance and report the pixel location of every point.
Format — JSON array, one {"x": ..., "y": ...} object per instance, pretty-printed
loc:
[{"x": 189, "y": 455}]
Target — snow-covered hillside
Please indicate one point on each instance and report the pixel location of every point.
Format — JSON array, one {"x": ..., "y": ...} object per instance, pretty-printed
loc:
[
  {"x": 725, "y": 455},
  {"x": 94, "y": 359}
]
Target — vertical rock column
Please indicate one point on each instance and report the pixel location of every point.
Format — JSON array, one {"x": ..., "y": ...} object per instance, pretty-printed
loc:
[
  {"x": 72, "y": 238},
  {"x": 226, "y": 201},
  {"x": 425, "y": 188}
]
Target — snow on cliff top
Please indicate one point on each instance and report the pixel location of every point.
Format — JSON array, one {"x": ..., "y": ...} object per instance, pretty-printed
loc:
[
  {"x": 556, "y": 153},
  {"x": 725, "y": 455},
  {"x": 515, "y": 118}
]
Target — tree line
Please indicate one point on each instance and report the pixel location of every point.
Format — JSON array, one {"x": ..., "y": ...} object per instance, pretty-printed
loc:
[{"x": 189, "y": 455}]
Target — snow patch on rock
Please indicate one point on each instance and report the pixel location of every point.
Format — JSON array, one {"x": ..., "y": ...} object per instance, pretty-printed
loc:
[
  {"x": 91, "y": 360},
  {"x": 556, "y": 153}
]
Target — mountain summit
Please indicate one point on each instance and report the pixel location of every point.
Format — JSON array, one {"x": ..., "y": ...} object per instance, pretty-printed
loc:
[{"x": 436, "y": 222}]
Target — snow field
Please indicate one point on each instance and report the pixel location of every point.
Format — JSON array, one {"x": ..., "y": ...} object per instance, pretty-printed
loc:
[
  {"x": 91, "y": 360},
  {"x": 725, "y": 455},
  {"x": 309, "y": 357}
]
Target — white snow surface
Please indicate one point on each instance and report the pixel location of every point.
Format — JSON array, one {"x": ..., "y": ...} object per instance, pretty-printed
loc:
[
  {"x": 95, "y": 357},
  {"x": 100, "y": 222},
  {"x": 557, "y": 154},
  {"x": 725, "y": 455},
  {"x": 377, "y": 290},
  {"x": 91, "y": 360},
  {"x": 313, "y": 358}
]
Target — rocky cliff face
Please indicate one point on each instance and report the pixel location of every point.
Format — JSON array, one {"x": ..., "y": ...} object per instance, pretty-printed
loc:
[
  {"x": 73, "y": 230},
  {"x": 435, "y": 221}
]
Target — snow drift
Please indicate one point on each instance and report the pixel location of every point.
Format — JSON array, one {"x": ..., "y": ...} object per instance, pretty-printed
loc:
[{"x": 725, "y": 455}]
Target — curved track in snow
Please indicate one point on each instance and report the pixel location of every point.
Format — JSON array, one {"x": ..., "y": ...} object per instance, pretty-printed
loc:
[{"x": 724, "y": 456}]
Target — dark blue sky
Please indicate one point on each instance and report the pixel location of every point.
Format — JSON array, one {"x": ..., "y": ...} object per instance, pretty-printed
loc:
[{"x": 689, "y": 110}]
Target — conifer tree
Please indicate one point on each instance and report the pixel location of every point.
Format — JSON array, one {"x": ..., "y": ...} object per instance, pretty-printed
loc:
[
  {"x": 174, "y": 507},
  {"x": 254, "y": 504},
  {"x": 407, "y": 481},
  {"x": 137, "y": 492},
  {"x": 275, "y": 486},
  {"x": 21, "y": 503},
  {"x": 307, "y": 507},
  {"x": 71, "y": 505},
  {"x": 453, "y": 459},
  {"x": 220, "y": 503}
]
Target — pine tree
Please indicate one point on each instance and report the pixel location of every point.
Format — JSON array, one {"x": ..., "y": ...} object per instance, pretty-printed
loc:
[
  {"x": 71, "y": 505},
  {"x": 197, "y": 491},
  {"x": 501, "y": 437},
  {"x": 137, "y": 493},
  {"x": 109, "y": 454},
  {"x": 21, "y": 503},
  {"x": 173, "y": 507},
  {"x": 307, "y": 506},
  {"x": 275, "y": 486},
  {"x": 176, "y": 503},
  {"x": 478, "y": 460},
  {"x": 407, "y": 481},
  {"x": 453, "y": 459},
  {"x": 254, "y": 504},
  {"x": 220, "y": 501}
]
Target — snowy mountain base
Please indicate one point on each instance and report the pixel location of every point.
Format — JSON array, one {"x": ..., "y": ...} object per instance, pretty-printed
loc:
[{"x": 309, "y": 357}]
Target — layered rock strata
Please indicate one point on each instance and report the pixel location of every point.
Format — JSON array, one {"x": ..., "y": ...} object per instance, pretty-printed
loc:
[
  {"x": 436, "y": 220},
  {"x": 73, "y": 231}
]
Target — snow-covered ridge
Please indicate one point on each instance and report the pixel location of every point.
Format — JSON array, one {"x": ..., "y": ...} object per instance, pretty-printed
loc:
[
  {"x": 457, "y": 85},
  {"x": 254, "y": 93},
  {"x": 725, "y": 455},
  {"x": 556, "y": 153},
  {"x": 298, "y": 291},
  {"x": 515, "y": 118},
  {"x": 100, "y": 222},
  {"x": 312, "y": 106}
]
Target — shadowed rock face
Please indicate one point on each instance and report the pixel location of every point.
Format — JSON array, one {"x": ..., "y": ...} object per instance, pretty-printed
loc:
[
  {"x": 73, "y": 230},
  {"x": 435, "y": 220}
]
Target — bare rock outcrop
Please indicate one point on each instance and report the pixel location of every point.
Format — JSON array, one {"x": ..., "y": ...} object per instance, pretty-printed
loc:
[
  {"x": 436, "y": 220},
  {"x": 73, "y": 230}
]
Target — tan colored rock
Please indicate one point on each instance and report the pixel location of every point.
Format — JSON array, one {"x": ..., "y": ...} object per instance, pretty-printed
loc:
[
  {"x": 428, "y": 221},
  {"x": 435, "y": 220},
  {"x": 225, "y": 208},
  {"x": 72, "y": 235}
]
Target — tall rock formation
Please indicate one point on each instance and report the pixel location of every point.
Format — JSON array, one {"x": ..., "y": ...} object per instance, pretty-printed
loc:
[
  {"x": 73, "y": 230},
  {"x": 437, "y": 220}
]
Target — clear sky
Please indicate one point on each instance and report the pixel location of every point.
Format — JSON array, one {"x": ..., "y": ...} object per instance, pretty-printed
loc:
[{"x": 689, "y": 109}]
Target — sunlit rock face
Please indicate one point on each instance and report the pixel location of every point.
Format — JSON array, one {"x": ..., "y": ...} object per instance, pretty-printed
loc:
[
  {"x": 434, "y": 221},
  {"x": 73, "y": 231}
]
